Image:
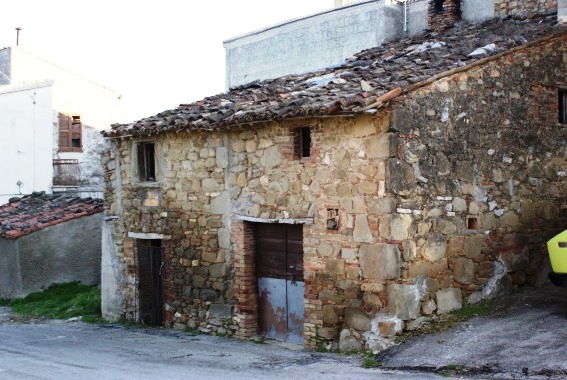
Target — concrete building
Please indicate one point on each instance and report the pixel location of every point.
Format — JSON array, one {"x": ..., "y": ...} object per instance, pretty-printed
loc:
[
  {"x": 51, "y": 120},
  {"x": 47, "y": 239},
  {"x": 339, "y": 207}
]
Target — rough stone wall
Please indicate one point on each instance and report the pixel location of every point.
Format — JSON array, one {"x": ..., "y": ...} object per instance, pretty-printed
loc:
[
  {"x": 447, "y": 195},
  {"x": 480, "y": 178},
  {"x": 524, "y": 7}
]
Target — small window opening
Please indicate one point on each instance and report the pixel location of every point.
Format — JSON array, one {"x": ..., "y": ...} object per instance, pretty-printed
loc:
[
  {"x": 305, "y": 142},
  {"x": 563, "y": 106},
  {"x": 472, "y": 223},
  {"x": 438, "y": 6},
  {"x": 332, "y": 219},
  {"x": 146, "y": 162}
]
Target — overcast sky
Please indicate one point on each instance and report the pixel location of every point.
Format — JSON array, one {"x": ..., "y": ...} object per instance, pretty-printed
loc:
[{"x": 157, "y": 54}]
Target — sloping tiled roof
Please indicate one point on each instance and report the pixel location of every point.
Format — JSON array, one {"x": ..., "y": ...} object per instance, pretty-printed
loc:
[
  {"x": 353, "y": 87},
  {"x": 39, "y": 210}
]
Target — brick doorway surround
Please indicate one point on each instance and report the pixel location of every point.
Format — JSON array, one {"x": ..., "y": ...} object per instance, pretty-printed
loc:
[{"x": 243, "y": 237}]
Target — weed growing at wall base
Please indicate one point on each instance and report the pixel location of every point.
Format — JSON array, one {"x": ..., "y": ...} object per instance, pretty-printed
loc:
[{"x": 60, "y": 301}]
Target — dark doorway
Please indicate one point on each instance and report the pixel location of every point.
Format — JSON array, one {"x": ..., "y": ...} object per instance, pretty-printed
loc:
[
  {"x": 279, "y": 256},
  {"x": 150, "y": 293}
]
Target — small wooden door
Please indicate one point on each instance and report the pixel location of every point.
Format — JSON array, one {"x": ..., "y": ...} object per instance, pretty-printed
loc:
[
  {"x": 150, "y": 296},
  {"x": 279, "y": 256}
]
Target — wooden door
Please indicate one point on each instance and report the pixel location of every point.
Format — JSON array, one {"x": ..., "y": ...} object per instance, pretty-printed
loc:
[{"x": 279, "y": 256}]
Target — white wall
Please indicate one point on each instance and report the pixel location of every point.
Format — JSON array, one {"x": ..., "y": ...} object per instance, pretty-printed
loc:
[
  {"x": 97, "y": 105},
  {"x": 562, "y": 11},
  {"x": 477, "y": 10},
  {"x": 318, "y": 41},
  {"x": 26, "y": 145}
]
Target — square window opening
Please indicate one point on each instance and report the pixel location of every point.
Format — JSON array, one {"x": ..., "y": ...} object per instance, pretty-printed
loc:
[
  {"x": 562, "y": 106},
  {"x": 472, "y": 223},
  {"x": 146, "y": 162},
  {"x": 304, "y": 142},
  {"x": 332, "y": 219}
]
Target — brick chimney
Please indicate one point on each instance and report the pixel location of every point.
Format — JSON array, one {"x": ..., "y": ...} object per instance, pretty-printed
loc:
[{"x": 443, "y": 14}]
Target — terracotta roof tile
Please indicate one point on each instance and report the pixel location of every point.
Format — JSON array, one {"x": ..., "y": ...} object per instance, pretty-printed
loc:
[
  {"x": 39, "y": 210},
  {"x": 351, "y": 87}
]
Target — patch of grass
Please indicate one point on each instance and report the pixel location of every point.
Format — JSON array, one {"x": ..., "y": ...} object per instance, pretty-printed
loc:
[
  {"x": 60, "y": 301},
  {"x": 369, "y": 360}
]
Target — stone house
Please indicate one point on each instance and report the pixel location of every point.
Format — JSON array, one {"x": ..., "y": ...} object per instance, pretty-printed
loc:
[
  {"x": 46, "y": 239},
  {"x": 50, "y": 120},
  {"x": 336, "y": 208}
]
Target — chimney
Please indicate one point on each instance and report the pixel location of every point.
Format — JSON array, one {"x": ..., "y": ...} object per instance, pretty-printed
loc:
[{"x": 443, "y": 14}]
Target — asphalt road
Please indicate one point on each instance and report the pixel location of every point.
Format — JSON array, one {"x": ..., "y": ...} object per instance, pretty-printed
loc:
[
  {"x": 526, "y": 338},
  {"x": 76, "y": 350}
]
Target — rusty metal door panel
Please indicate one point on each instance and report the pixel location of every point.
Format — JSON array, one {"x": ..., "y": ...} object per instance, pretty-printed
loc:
[
  {"x": 272, "y": 304},
  {"x": 295, "y": 311},
  {"x": 279, "y": 257}
]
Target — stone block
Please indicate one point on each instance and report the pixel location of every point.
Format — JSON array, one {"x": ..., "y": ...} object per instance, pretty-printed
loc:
[
  {"x": 224, "y": 238},
  {"x": 459, "y": 204},
  {"x": 485, "y": 269},
  {"x": 348, "y": 253},
  {"x": 342, "y": 159},
  {"x": 510, "y": 219},
  {"x": 448, "y": 300},
  {"x": 464, "y": 271},
  {"x": 357, "y": 319},
  {"x": 362, "y": 232},
  {"x": 218, "y": 270},
  {"x": 464, "y": 171},
  {"x": 348, "y": 343},
  {"x": 400, "y": 177},
  {"x": 222, "y": 157},
  {"x": 336, "y": 267},
  {"x": 409, "y": 250},
  {"x": 435, "y": 248},
  {"x": 221, "y": 204},
  {"x": 271, "y": 157},
  {"x": 208, "y": 295},
  {"x": 187, "y": 291},
  {"x": 514, "y": 252},
  {"x": 220, "y": 311},
  {"x": 380, "y": 261},
  {"x": 404, "y": 301},
  {"x": 325, "y": 250},
  {"x": 473, "y": 246},
  {"x": 395, "y": 227},
  {"x": 384, "y": 145},
  {"x": 328, "y": 333},
  {"x": 367, "y": 187},
  {"x": 382, "y": 206},
  {"x": 456, "y": 246},
  {"x": 446, "y": 227},
  {"x": 330, "y": 314},
  {"x": 428, "y": 307}
]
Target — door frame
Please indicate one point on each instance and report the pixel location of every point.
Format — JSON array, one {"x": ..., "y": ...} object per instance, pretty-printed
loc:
[{"x": 245, "y": 279}]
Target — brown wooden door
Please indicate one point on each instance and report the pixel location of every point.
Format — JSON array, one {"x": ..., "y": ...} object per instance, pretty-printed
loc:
[
  {"x": 150, "y": 267},
  {"x": 279, "y": 256}
]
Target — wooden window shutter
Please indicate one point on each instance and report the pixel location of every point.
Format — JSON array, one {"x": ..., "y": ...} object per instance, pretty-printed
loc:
[
  {"x": 64, "y": 132},
  {"x": 70, "y": 133}
]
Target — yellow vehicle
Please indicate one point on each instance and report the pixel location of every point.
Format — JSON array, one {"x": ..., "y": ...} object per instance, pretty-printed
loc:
[{"x": 557, "y": 248}]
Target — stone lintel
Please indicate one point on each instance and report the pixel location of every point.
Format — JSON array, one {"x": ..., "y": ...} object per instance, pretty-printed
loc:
[
  {"x": 141, "y": 235},
  {"x": 274, "y": 220}
]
